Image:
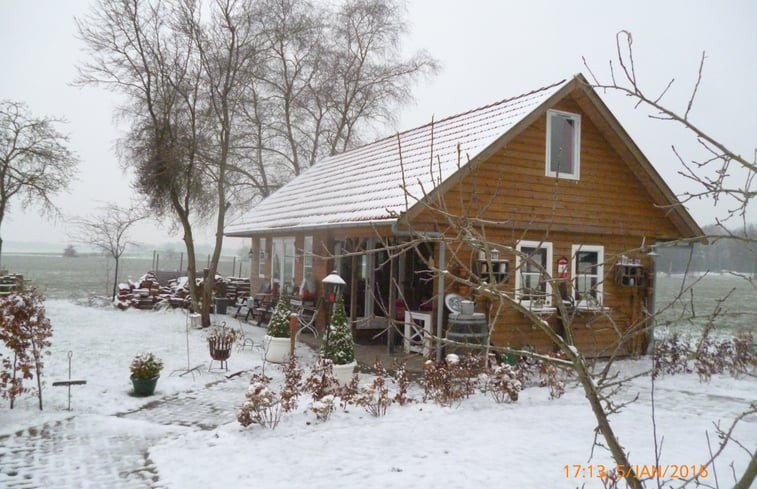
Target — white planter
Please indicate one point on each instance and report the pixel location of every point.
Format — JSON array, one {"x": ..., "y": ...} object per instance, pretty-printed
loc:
[
  {"x": 276, "y": 349},
  {"x": 343, "y": 373}
]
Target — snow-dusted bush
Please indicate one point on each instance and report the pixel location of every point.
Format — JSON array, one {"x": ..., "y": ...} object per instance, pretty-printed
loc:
[
  {"x": 25, "y": 332},
  {"x": 292, "y": 385},
  {"x": 146, "y": 366},
  {"x": 402, "y": 381},
  {"x": 262, "y": 406},
  {"x": 450, "y": 381},
  {"x": 374, "y": 397},
  {"x": 733, "y": 356},
  {"x": 502, "y": 383},
  {"x": 321, "y": 382},
  {"x": 323, "y": 407},
  {"x": 730, "y": 355},
  {"x": 671, "y": 356}
]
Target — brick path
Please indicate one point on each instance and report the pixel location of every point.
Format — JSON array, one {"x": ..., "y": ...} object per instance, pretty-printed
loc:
[
  {"x": 207, "y": 408},
  {"x": 112, "y": 451}
]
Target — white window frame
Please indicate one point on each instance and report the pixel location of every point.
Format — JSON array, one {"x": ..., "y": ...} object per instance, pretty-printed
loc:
[
  {"x": 284, "y": 248},
  {"x": 307, "y": 257},
  {"x": 576, "y": 173},
  {"x": 599, "y": 275},
  {"x": 519, "y": 263},
  {"x": 261, "y": 257}
]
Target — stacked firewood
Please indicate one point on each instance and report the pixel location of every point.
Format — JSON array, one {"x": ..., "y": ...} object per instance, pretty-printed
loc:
[{"x": 149, "y": 293}]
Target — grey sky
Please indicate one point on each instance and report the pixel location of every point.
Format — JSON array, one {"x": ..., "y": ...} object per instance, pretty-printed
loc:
[{"x": 489, "y": 50}]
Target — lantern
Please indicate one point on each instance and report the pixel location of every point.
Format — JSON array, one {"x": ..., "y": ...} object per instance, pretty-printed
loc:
[{"x": 333, "y": 285}]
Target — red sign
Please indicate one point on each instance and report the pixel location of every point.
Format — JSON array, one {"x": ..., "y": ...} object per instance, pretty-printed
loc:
[{"x": 562, "y": 267}]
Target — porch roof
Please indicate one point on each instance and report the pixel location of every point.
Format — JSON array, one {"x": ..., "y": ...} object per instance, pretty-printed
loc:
[{"x": 374, "y": 183}]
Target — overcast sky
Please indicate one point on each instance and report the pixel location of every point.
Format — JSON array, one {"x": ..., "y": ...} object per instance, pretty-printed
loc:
[{"x": 489, "y": 50}]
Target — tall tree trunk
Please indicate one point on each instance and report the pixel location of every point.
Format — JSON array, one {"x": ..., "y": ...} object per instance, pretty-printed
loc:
[
  {"x": 747, "y": 479},
  {"x": 115, "y": 281}
]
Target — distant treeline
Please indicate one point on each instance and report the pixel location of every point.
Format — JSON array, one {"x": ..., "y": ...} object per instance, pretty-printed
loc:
[{"x": 726, "y": 254}]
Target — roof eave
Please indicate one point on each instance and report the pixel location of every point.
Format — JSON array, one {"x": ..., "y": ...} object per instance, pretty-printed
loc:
[{"x": 283, "y": 230}]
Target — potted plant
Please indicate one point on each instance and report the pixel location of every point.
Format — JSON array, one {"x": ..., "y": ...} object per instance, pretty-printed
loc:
[
  {"x": 339, "y": 346},
  {"x": 145, "y": 371},
  {"x": 277, "y": 337},
  {"x": 220, "y": 341}
]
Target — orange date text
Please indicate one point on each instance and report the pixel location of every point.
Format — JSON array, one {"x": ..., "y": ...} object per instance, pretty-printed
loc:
[{"x": 668, "y": 471}]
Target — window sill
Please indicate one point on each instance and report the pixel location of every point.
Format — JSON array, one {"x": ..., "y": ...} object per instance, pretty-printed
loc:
[
  {"x": 592, "y": 309},
  {"x": 541, "y": 310}
]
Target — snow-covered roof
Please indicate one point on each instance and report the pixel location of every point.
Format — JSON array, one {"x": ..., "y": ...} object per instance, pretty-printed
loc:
[{"x": 366, "y": 185}]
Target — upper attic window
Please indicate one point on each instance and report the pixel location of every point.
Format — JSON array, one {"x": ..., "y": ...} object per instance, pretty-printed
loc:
[{"x": 563, "y": 144}]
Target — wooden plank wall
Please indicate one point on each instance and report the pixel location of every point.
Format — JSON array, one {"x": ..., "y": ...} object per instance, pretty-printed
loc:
[{"x": 607, "y": 206}]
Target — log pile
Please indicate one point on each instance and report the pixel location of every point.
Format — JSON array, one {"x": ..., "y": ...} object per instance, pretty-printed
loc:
[{"x": 149, "y": 293}]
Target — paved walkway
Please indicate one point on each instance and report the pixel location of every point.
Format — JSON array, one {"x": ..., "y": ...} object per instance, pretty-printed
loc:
[{"x": 98, "y": 451}]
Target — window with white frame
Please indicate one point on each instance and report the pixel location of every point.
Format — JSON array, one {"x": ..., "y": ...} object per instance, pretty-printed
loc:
[
  {"x": 282, "y": 262},
  {"x": 338, "y": 250},
  {"x": 307, "y": 257},
  {"x": 587, "y": 272},
  {"x": 533, "y": 265},
  {"x": 261, "y": 257},
  {"x": 563, "y": 144}
]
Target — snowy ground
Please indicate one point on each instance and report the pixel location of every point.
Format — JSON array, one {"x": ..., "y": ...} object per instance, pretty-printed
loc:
[{"x": 186, "y": 436}]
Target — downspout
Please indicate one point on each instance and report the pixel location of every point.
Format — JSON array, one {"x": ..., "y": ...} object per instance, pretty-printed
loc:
[
  {"x": 652, "y": 306},
  {"x": 440, "y": 279}
]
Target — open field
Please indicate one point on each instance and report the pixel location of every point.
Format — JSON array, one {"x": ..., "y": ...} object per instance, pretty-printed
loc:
[
  {"x": 77, "y": 278},
  {"x": 84, "y": 276}
]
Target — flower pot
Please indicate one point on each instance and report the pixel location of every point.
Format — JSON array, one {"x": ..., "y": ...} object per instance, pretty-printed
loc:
[
  {"x": 221, "y": 304},
  {"x": 276, "y": 349},
  {"x": 144, "y": 387},
  {"x": 343, "y": 373}
]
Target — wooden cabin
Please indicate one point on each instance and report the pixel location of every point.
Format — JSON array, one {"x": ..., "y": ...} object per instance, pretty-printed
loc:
[{"x": 542, "y": 197}]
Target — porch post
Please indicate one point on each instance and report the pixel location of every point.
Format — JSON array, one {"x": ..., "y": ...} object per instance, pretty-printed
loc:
[
  {"x": 392, "y": 304},
  {"x": 442, "y": 265}
]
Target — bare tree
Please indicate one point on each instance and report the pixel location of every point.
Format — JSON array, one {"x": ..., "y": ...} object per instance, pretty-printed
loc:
[
  {"x": 369, "y": 76},
  {"x": 324, "y": 75},
  {"x": 109, "y": 232},
  {"x": 35, "y": 162},
  {"x": 180, "y": 71},
  {"x": 227, "y": 104}
]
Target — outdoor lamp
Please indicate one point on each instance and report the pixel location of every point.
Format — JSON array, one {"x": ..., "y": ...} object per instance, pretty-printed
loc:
[{"x": 333, "y": 285}]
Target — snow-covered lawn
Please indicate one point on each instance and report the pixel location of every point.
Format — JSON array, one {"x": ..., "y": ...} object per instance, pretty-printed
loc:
[{"x": 477, "y": 444}]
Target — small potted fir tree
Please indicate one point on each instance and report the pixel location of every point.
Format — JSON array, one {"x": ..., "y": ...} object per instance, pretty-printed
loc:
[
  {"x": 277, "y": 337},
  {"x": 339, "y": 346},
  {"x": 145, "y": 371}
]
